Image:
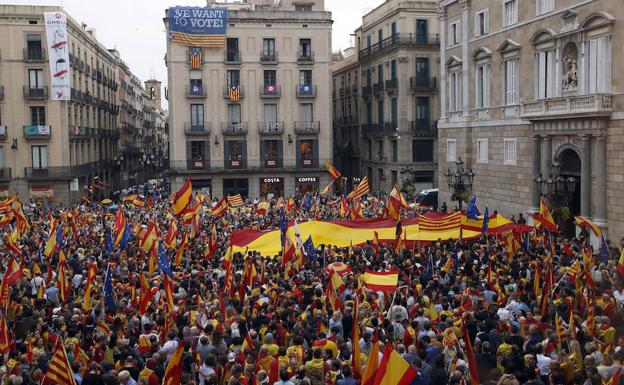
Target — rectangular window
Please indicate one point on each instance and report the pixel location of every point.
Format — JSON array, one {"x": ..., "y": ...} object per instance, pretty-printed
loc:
[
  {"x": 545, "y": 76},
  {"x": 270, "y": 113},
  {"x": 482, "y": 150},
  {"x": 482, "y": 22},
  {"x": 303, "y": 8},
  {"x": 422, "y": 72},
  {"x": 395, "y": 151},
  {"x": 235, "y": 149},
  {"x": 33, "y": 47},
  {"x": 37, "y": 116},
  {"x": 451, "y": 150},
  {"x": 455, "y": 33},
  {"x": 305, "y": 77},
  {"x": 421, "y": 31},
  {"x": 197, "y": 86},
  {"x": 394, "y": 111},
  {"x": 510, "y": 12},
  {"x": 233, "y": 78},
  {"x": 268, "y": 47},
  {"x": 380, "y": 149},
  {"x": 455, "y": 91},
  {"x": 422, "y": 150},
  {"x": 197, "y": 116},
  {"x": 232, "y": 53},
  {"x": 306, "y": 152},
  {"x": 35, "y": 79},
  {"x": 510, "y": 82},
  {"x": 380, "y": 114},
  {"x": 197, "y": 151},
  {"x": 306, "y": 112},
  {"x": 380, "y": 74},
  {"x": 598, "y": 71},
  {"x": 544, "y": 6},
  {"x": 271, "y": 152},
  {"x": 482, "y": 86},
  {"x": 39, "y": 157},
  {"x": 270, "y": 77},
  {"x": 234, "y": 113},
  {"x": 369, "y": 113},
  {"x": 305, "y": 48},
  {"x": 422, "y": 111},
  {"x": 380, "y": 36},
  {"x": 510, "y": 151},
  {"x": 370, "y": 149}
]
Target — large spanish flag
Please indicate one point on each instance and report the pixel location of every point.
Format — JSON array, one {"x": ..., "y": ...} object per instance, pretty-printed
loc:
[
  {"x": 183, "y": 197},
  {"x": 393, "y": 369},
  {"x": 385, "y": 281},
  {"x": 333, "y": 171}
]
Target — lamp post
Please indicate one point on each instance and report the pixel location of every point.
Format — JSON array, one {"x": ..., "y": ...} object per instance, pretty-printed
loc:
[
  {"x": 557, "y": 189},
  {"x": 459, "y": 182}
]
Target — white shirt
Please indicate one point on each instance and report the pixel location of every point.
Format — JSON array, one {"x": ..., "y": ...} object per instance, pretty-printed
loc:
[
  {"x": 543, "y": 363},
  {"x": 169, "y": 348}
]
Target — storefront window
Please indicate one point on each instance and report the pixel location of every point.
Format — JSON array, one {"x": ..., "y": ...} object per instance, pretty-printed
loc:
[
  {"x": 306, "y": 184},
  {"x": 306, "y": 150},
  {"x": 271, "y": 187},
  {"x": 271, "y": 153}
]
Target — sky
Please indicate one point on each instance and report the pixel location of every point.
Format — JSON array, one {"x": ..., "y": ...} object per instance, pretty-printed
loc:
[{"x": 136, "y": 29}]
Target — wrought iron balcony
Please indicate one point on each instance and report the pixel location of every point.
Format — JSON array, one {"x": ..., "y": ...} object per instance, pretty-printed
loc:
[
  {"x": 307, "y": 127},
  {"x": 419, "y": 84},
  {"x": 197, "y": 129},
  {"x": 40, "y": 93},
  {"x": 306, "y": 91},
  {"x": 232, "y": 57},
  {"x": 269, "y": 91},
  {"x": 35, "y": 54},
  {"x": 306, "y": 57},
  {"x": 234, "y": 128},
  {"x": 268, "y": 57},
  {"x": 270, "y": 128}
]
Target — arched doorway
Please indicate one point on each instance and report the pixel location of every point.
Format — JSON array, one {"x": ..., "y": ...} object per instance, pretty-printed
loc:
[{"x": 571, "y": 167}]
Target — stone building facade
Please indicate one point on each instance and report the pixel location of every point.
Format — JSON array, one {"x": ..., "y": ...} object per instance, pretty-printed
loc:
[
  {"x": 274, "y": 135},
  {"x": 387, "y": 91},
  {"x": 527, "y": 84}
]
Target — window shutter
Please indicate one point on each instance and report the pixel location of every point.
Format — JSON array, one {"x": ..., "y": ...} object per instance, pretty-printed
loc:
[
  {"x": 486, "y": 21},
  {"x": 541, "y": 75},
  {"x": 315, "y": 152},
  {"x": 244, "y": 153},
  {"x": 550, "y": 74},
  {"x": 451, "y": 39},
  {"x": 280, "y": 153},
  {"x": 593, "y": 65},
  {"x": 476, "y": 24},
  {"x": 486, "y": 85},
  {"x": 226, "y": 153},
  {"x": 601, "y": 53}
]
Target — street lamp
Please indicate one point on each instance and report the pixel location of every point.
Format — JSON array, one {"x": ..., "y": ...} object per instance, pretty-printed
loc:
[{"x": 459, "y": 182}]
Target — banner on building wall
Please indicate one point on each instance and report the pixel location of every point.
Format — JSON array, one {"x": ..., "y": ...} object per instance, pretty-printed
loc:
[
  {"x": 198, "y": 26},
  {"x": 58, "y": 54}
]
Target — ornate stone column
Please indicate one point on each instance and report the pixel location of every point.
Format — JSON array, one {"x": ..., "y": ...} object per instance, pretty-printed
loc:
[
  {"x": 598, "y": 172},
  {"x": 586, "y": 176},
  {"x": 537, "y": 149},
  {"x": 443, "y": 34}
]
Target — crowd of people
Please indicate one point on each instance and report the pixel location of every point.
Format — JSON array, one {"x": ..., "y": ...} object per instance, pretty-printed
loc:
[{"x": 464, "y": 311}]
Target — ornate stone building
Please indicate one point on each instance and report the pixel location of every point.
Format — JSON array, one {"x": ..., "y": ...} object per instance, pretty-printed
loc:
[{"x": 527, "y": 84}]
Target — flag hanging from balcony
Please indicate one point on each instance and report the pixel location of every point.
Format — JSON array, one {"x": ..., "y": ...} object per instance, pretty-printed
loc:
[
  {"x": 305, "y": 89},
  {"x": 234, "y": 93},
  {"x": 270, "y": 89},
  {"x": 196, "y": 57}
]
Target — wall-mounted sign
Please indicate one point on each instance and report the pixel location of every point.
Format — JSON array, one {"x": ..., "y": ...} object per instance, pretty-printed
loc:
[
  {"x": 198, "y": 26},
  {"x": 58, "y": 55}
]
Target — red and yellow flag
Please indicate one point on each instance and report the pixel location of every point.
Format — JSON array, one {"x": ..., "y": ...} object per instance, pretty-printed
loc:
[
  {"x": 173, "y": 371},
  {"x": 362, "y": 189},
  {"x": 183, "y": 197},
  {"x": 335, "y": 174},
  {"x": 372, "y": 363},
  {"x": 146, "y": 294},
  {"x": 86, "y": 303},
  {"x": 393, "y": 369},
  {"x": 470, "y": 356},
  {"x": 59, "y": 371},
  {"x": 381, "y": 281}
]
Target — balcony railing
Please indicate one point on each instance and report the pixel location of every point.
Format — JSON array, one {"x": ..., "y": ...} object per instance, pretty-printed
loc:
[
  {"x": 195, "y": 91},
  {"x": 246, "y": 164},
  {"x": 594, "y": 104},
  {"x": 367, "y": 91},
  {"x": 270, "y": 91},
  {"x": 232, "y": 57},
  {"x": 307, "y": 127},
  {"x": 378, "y": 88},
  {"x": 423, "y": 127},
  {"x": 391, "y": 127},
  {"x": 64, "y": 171},
  {"x": 418, "y": 84},
  {"x": 270, "y": 128},
  {"x": 234, "y": 128},
  {"x": 34, "y": 54},
  {"x": 407, "y": 40},
  {"x": 35, "y": 93},
  {"x": 232, "y": 96},
  {"x": 372, "y": 129},
  {"x": 268, "y": 57},
  {"x": 306, "y": 57},
  {"x": 392, "y": 85},
  {"x": 197, "y": 129},
  {"x": 33, "y": 131},
  {"x": 306, "y": 91}
]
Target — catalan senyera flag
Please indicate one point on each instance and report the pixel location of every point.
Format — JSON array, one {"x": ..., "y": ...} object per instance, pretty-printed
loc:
[
  {"x": 583, "y": 222},
  {"x": 173, "y": 371},
  {"x": 195, "y": 57},
  {"x": 235, "y": 200},
  {"x": 362, "y": 189},
  {"x": 91, "y": 274},
  {"x": 59, "y": 371},
  {"x": 333, "y": 171},
  {"x": 470, "y": 356},
  {"x": 372, "y": 363},
  {"x": 381, "y": 281},
  {"x": 545, "y": 218},
  {"x": 393, "y": 369},
  {"x": 234, "y": 93},
  {"x": 183, "y": 197}
]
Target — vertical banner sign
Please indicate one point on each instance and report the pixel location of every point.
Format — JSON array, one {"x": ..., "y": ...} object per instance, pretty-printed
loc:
[
  {"x": 56, "y": 32},
  {"x": 198, "y": 26}
]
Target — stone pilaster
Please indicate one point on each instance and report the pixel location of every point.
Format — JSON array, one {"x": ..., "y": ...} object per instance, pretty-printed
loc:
[
  {"x": 537, "y": 149},
  {"x": 546, "y": 155},
  {"x": 586, "y": 176},
  {"x": 598, "y": 172}
]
